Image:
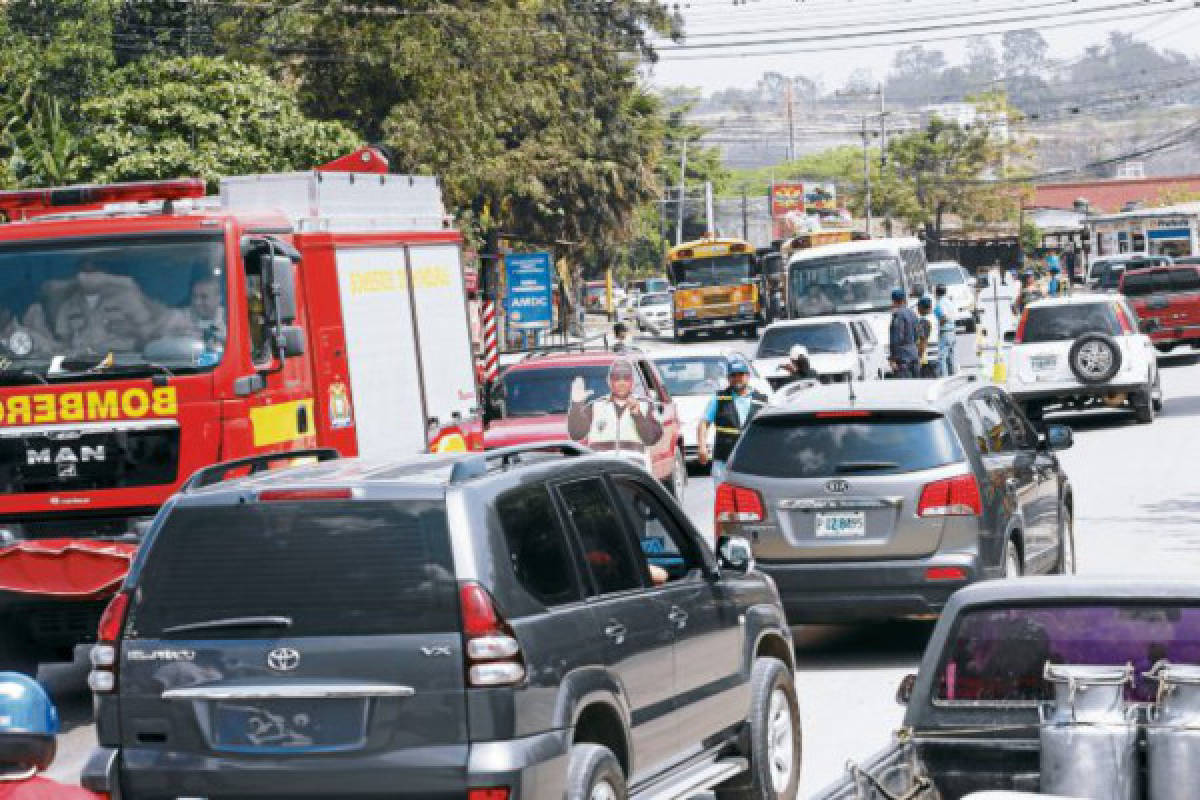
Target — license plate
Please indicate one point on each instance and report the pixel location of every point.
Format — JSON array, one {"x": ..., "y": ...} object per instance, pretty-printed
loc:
[
  {"x": 1043, "y": 363},
  {"x": 847, "y": 523},
  {"x": 290, "y": 725}
]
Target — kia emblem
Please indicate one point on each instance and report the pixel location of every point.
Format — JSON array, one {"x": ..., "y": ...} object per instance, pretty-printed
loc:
[
  {"x": 283, "y": 659},
  {"x": 837, "y": 486}
]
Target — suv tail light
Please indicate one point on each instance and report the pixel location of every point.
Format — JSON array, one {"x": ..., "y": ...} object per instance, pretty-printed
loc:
[
  {"x": 103, "y": 677},
  {"x": 952, "y": 497},
  {"x": 491, "y": 652},
  {"x": 737, "y": 504}
]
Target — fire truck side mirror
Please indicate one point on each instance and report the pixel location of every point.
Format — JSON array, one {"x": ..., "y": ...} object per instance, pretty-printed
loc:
[
  {"x": 293, "y": 340},
  {"x": 283, "y": 287}
]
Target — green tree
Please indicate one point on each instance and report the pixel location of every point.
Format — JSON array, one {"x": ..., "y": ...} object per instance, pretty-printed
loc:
[
  {"x": 44, "y": 150},
  {"x": 202, "y": 116}
]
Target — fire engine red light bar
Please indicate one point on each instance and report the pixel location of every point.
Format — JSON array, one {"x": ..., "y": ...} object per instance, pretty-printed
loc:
[
  {"x": 277, "y": 495},
  {"x": 93, "y": 194}
]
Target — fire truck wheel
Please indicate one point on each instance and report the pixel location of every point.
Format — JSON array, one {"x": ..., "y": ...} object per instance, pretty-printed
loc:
[{"x": 16, "y": 654}]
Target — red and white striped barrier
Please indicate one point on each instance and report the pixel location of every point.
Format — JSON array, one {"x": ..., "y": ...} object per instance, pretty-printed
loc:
[{"x": 491, "y": 352}]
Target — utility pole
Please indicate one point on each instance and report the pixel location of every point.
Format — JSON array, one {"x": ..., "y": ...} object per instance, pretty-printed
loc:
[
  {"x": 791, "y": 123},
  {"x": 866, "y": 175},
  {"x": 709, "y": 222},
  {"x": 745, "y": 216},
  {"x": 883, "y": 157},
  {"x": 682, "y": 175}
]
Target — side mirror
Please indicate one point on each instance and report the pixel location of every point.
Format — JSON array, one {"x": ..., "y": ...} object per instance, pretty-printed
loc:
[
  {"x": 735, "y": 554},
  {"x": 291, "y": 337},
  {"x": 1010, "y": 337},
  {"x": 904, "y": 691},
  {"x": 283, "y": 288},
  {"x": 1058, "y": 437}
]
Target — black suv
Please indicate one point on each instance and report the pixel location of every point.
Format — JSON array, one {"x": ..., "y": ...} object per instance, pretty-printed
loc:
[{"x": 533, "y": 622}]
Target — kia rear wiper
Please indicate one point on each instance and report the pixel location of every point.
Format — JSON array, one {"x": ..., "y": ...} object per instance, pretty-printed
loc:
[
  {"x": 230, "y": 622},
  {"x": 865, "y": 466}
]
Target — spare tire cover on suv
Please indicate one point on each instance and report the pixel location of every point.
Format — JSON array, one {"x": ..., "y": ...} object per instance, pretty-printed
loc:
[{"x": 1095, "y": 358}]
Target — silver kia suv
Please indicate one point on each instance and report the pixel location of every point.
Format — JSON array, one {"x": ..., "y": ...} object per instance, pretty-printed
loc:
[{"x": 879, "y": 499}]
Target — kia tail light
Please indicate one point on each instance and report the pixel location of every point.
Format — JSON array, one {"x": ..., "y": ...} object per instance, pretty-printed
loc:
[
  {"x": 737, "y": 504},
  {"x": 953, "y": 497}
]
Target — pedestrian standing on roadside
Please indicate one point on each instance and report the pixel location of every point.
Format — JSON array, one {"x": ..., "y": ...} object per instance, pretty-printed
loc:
[
  {"x": 1055, "y": 286},
  {"x": 1028, "y": 293},
  {"x": 902, "y": 338},
  {"x": 927, "y": 338},
  {"x": 28, "y": 730},
  {"x": 729, "y": 412},
  {"x": 620, "y": 338},
  {"x": 947, "y": 332}
]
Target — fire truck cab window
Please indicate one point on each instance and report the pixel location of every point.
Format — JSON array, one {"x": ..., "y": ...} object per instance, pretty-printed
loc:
[
  {"x": 118, "y": 305},
  {"x": 256, "y": 306}
]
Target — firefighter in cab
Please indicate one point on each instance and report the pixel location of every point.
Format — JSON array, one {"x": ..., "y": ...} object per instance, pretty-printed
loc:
[
  {"x": 28, "y": 725},
  {"x": 729, "y": 412}
]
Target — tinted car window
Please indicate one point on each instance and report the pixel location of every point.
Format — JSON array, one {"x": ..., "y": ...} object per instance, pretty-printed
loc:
[
  {"x": 690, "y": 375},
  {"x": 605, "y": 546},
  {"x": 1020, "y": 435},
  {"x": 1137, "y": 284},
  {"x": 547, "y": 390},
  {"x": 663, "y": 542},
  {"x": 1059, "y": 323},
  {"x": 1185, "y": 280},
  {"x": 829, "y": 338},
  {"x": 807, "y": 446},
  {"x": 333, "y": 568},
  {"x": 541, "y": 557}
]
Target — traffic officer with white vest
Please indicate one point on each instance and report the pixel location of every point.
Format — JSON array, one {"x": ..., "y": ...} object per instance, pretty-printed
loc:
[
  {"x": 729, "y": 411},
  {"x": 619, "y": 421}
]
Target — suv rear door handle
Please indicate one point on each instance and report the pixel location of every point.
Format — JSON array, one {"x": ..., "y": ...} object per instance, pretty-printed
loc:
[
  {"x": 615, "y": 631},
  {"x": 678, "y": 616}
]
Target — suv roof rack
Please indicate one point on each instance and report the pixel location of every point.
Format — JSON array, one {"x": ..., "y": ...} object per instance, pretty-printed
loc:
[
  {"x": 207, "y": 476},
  {"x": 480, "y": 464},
  {"x": 570, "y": 347}
]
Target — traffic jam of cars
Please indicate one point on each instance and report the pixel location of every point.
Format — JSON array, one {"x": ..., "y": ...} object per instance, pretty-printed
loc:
[{"x": 579, "y": 572}]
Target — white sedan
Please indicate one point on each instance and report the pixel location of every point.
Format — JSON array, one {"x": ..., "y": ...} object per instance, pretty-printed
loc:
[
  {"x": 960, "y": 291},
  {"x": 839, "y": 349},
  {"x": 693, "y": 375},
  {"x": 653, "y": 312}
]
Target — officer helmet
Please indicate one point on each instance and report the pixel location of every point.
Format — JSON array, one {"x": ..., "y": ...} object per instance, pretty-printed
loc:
[
  {"x": 28, "y": 725},
  {"x": 897, "y": 295},
  {"x": 798, "y": 352},
  {"x": 621, "y": 368},
  {"x": 926, "y": 302},
  {"x": 738, "y": 367}
]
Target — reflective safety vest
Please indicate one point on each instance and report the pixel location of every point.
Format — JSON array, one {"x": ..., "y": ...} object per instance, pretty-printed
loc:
[
  {"x": 729, "y": 426},
  {"x": 615, "y": 430}
]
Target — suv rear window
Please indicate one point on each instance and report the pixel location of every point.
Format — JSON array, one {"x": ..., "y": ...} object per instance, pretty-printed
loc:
[
  {"x": 1139, "y": 284},
  {"x": 811, "y": 447},
  {"x": 334, "y": 568},
  {"x": 1061, "y": 323}
]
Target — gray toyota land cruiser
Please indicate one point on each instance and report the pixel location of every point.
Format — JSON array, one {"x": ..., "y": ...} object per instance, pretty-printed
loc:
[{"x": 533, "y": 622}]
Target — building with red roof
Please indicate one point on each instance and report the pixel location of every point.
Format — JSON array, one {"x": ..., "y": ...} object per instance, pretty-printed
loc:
[{"x": 1114, "y": 195}]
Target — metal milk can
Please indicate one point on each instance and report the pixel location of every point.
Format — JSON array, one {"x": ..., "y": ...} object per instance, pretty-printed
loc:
[
  {"x": 1173, "y": 733},
  {"x": 1089, "y": 734}
]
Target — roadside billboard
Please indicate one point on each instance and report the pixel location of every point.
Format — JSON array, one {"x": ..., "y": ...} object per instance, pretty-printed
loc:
[{"x": 528, "y": 298}]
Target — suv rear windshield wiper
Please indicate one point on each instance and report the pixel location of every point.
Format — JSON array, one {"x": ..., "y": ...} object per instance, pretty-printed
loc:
[
  {"x": 865, "y": 466},
  {"x": 230, "y": 622}
]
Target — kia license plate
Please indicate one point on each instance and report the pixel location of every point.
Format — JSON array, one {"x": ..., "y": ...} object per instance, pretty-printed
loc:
[
  {"x": 1043, "y": 363},
  {"x": 844, "y": 524}
]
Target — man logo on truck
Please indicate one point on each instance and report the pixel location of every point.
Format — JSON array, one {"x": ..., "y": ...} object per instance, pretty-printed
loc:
[{"x": 65, "y": 455}]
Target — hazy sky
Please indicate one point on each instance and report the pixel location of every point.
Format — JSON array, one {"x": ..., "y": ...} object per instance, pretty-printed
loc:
[{"x": 812, "y": 37}]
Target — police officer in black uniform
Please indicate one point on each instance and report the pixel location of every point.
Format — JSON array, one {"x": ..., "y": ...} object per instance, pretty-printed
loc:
[{"x": 729, "y": 412}]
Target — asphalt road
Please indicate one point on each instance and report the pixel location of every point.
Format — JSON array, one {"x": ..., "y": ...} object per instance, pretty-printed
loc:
[{"x": 1137, "y": 513}]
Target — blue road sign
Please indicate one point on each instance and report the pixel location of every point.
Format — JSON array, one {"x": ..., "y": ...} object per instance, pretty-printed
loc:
[{"x": 528, "y": 300}]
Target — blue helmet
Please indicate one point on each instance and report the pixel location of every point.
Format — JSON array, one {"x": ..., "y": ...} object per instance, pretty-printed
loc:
[
  {"x": 738, "y": 366},
  {"x": 28, "y": 724},
  {"x": 897, "y": 295},
  {"x": 1055, "y": 269},
  {"x": 925, "y": 301}
]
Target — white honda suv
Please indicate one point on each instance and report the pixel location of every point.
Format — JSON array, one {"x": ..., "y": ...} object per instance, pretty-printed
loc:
[{"x": 1085, "y": 350}]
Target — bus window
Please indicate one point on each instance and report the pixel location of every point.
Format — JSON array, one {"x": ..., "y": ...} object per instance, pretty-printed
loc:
[{"x": 843, "y": 284}]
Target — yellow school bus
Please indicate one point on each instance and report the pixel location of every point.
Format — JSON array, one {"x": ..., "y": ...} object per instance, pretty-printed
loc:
[{"x": 716, "y": 286}]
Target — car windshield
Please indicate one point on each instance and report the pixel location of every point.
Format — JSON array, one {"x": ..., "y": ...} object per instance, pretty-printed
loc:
[
  {"x": 833, "y": 337},
  {"x": 713, "y": 271},
  {"x": 693, "y": 375},
  {"x": 808, "y": 446},
  {"x": 131, "y": 302},
  {"x": 547, "y": 390},
  {"x": 840, "y": 284},
  {"x": 998, "y": 655},
  {"x": 947, "y": 276},
  {"x": 656, "y": 299},
  {"x": 1066, "y": 322}
]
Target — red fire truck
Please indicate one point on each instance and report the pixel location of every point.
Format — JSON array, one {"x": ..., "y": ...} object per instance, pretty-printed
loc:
[{"x": 147, "y": 331}]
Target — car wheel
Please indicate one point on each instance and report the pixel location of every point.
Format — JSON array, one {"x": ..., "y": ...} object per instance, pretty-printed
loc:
[
  {"x": 677, "y": 481},
  {"x": 16, "y": 654},
  {"x": 774, "y": 738},
  {"x": 594, "y": 774},
  {"x": 1066, "y": 543},
  {"x": 1143, "y": 406},
  {"x": 1156, "y": 395},
  {"x": 1012, "y": 560},
  {"x": 1094, "y": 358}
]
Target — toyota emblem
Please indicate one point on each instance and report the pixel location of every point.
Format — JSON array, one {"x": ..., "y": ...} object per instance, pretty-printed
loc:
[
  {"x": 283, "y": 659},
  {"x": 837, "y": 486}
]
